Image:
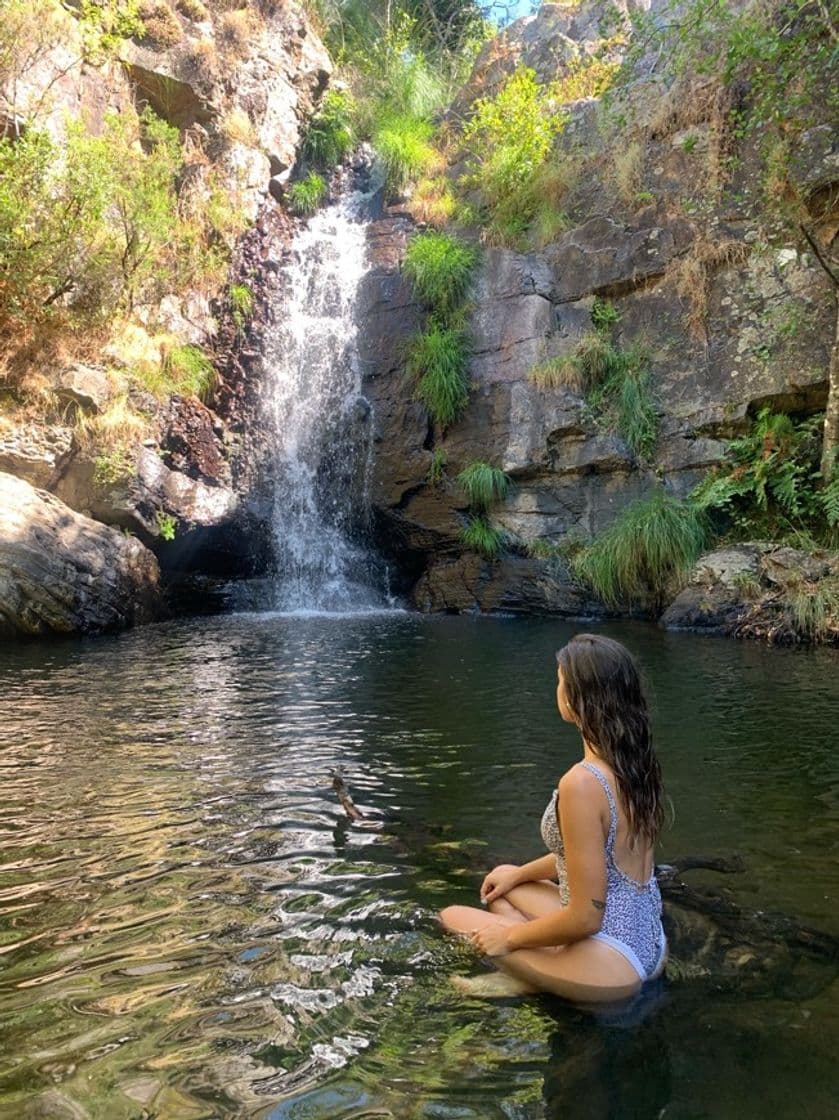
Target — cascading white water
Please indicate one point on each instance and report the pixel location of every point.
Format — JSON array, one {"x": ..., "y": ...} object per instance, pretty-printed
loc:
[{"x": 320, "y": 421}]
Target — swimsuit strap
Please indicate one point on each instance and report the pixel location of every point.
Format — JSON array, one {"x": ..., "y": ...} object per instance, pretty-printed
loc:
[{"x": 613, "y": 809}]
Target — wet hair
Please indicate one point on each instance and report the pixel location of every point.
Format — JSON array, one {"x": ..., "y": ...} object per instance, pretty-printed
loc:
[{"x": 604, "y": 691}]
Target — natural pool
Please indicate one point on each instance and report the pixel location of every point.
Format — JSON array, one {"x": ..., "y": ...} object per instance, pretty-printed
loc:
[{"x": 191, "y": 927}]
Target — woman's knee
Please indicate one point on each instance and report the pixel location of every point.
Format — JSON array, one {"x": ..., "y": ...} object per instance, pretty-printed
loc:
[{"x": 462, "y": 919}]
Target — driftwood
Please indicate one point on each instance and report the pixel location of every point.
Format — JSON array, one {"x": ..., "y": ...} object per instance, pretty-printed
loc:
[{"x": 344, "y": 795}]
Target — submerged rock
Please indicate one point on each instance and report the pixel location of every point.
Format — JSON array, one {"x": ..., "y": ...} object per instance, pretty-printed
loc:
[{"x": 61, "y": 573}]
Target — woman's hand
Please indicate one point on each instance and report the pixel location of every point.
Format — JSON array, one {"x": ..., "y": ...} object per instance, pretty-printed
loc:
[
  {"x": 500, "y": 881},
  {"x": 491, "y": 941}
]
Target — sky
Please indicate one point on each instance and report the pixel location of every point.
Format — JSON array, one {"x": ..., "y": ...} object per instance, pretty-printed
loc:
[{"x": 521, "y": 8}]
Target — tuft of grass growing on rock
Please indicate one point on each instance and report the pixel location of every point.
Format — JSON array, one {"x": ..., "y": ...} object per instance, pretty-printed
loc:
[
  {"x": 625, "y": 399},
  {"x": 330, "y": 136},
  {"x": 647, "y": 548},
  {"x": 193, "y": 9},
  {"x": 433, "y": 202},
  {"x": 237, "y": 128},
  {"x": 437, "y": 468},
  {"x": 235, "y": 32},
  {"x": 691, "y": 275},
  {"x": 241, "y": 305},
  {"x": 189, "y": 371},
  {"x": 482, "y": 537},
  {"x": 403, "y": 143},
  {"x": 306, "y": 195},
  {"x": 628, "y": 170},
  {"x": 437, "y": 360},
  {"x": 814, "y": 609},
  {"x": 119, "y": 428},
  {"x": 439, "y": 268},
  {"x": 483, "y": 484},
  {"x": 202, "y": 61}
]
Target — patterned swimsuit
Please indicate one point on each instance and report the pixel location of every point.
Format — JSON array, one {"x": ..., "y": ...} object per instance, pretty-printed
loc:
[{"x": 632, "y": 918}]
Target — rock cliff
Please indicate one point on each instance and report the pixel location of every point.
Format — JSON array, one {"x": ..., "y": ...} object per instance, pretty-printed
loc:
[{"x": 733, "y": 315}]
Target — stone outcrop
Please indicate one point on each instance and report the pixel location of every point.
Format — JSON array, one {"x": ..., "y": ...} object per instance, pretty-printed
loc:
[
  {"x": 752, "y": 327},
  {"x": 761, "y": 590},
  {"x": 62, "y": 573},
  {"x": 251, "y": 101}
]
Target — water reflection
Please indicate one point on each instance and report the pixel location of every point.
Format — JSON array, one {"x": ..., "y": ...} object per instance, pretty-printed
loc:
[{"x": 190, "y": 924}]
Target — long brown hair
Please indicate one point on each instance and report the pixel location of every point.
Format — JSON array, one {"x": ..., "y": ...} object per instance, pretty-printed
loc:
[{"x": 604, "y": 691}]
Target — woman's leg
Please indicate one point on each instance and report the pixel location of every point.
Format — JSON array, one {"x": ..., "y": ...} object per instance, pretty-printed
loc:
[{"x": 586, "y": 970}]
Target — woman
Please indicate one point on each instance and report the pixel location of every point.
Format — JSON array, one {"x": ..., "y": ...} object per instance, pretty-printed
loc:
[{"x": 595, "y": 932}]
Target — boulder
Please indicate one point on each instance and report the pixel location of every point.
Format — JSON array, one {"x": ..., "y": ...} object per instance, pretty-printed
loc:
[
  {"x": 33, "y": 451},
  {"x": 86, "y": 386},
  {"x": 61, "y": 573},
  {"x": 148, "y": 494},
  {"x": 717, "y": 591}
]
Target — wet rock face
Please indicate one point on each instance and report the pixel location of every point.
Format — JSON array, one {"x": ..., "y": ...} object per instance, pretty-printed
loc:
[{"x": 62, "y": 573}]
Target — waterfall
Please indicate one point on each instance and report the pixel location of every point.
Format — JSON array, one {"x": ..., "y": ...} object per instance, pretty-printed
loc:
[{"x": 320, "y": 423}]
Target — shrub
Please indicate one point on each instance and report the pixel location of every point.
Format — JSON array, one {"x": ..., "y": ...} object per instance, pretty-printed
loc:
[
  {"x": 508, "y": 138},
  {"x": 234, "y": 32},
  {"x": 437, "y": 360},
  {"x": 241, "y": 305},
  {"x": 193, "y": 9},
  {"x": 440, "y": 269},
  {"x": 484, "y": 485},
  {"x": 403, "y": 143},
  {"x": 307, "y": 194},
  {"x": 482, "y": 537},
  {"x": 237, "y": 128},
  {"x": 329, "y": 136},
  {"x": 161, "y": 27},
  {"x": 650, "y": 544},
  {"x": 604, "y": 314},
  {"x": 84, "y": 233},
  {"x": 111, "y": 467},
  {"x": 189, "y": 370},
  {"x": 432, "y": 201}
]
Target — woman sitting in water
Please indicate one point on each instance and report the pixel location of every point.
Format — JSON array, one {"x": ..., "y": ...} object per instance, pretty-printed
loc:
[{"x": 594, "y": 932}]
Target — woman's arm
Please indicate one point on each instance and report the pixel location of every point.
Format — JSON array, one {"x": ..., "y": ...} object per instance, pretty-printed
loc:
[
  {"x": 502, "y": 879},
  {"x": 585, "y": 860}
]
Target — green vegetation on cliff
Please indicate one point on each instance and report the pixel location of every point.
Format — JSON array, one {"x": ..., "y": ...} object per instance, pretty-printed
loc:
[
  {"x": 772, "y": 488},
  {"x": 648, "y": 547},
  {"x": 439, "y": 268},
  {"x": 437, "y": 361}
]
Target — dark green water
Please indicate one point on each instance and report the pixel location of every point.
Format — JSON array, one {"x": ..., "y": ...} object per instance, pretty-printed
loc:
[{"x": 191, "y": 927}]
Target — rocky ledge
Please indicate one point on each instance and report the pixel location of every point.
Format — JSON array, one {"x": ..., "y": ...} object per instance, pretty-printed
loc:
[
  {"x": 63, "y": 573},
  {"x": 760, "y": 590}
]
